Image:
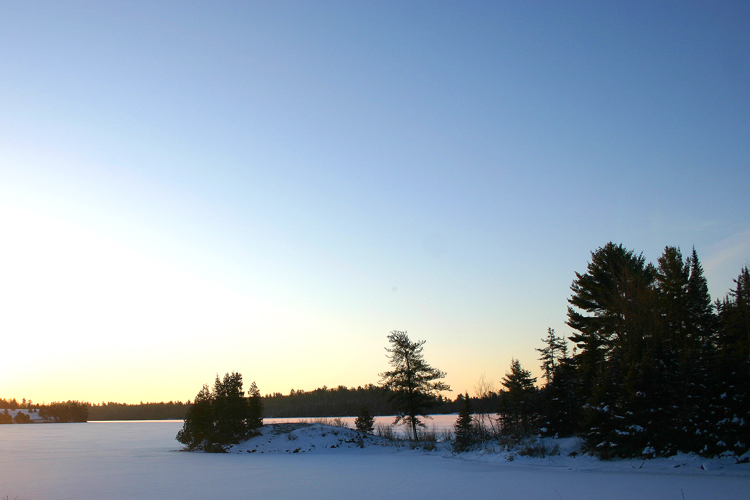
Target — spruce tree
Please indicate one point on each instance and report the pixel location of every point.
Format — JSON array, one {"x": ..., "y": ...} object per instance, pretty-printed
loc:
[
  {"x": 364, "y": 422},
  {"x": 560, "y": 408},
  {"x": 702, "y": 314},
  {"x": 464, "y": 427},
  {"x": 730, "y": 408},
  {"x": 255, "y": 408},
  {"x": 517, "y": 413}
]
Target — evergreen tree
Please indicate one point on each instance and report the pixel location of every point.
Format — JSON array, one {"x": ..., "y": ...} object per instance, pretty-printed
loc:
[
  {"x": 222, "y": 416},
  {"x": 230, "y": 409},
  {"x": 21, "y": 418},
  {"x": 464, "y": 427},
  {"x": 610, "y": 308},
  {"x": 614, "y": 310},
  {"x": 6, "y": 417},
  {"x": 730, "y": 408},
  {"x": 701, "y": 310},
  {"x": 364, "y": 422},
  {"x": 198, "y": 427},
  {"x": 734, "y": 312},
  {"x": 413, "y": 384},
  {"x": 517, "y": 413},
  {"x": 560, "y": 408},
  {"x": 555, "y": 349},
  {"x": 672, "y": 278},
  {"x": 255, "y": 407}
]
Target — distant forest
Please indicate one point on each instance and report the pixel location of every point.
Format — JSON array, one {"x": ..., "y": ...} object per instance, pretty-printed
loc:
[
  {"x": 322, "y": 402},
  {"x": 656, "y": 367},
  {"x": 59, "y": 412}
]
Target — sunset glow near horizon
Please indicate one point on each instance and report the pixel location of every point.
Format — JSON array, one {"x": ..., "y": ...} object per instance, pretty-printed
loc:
[{"x": 271, "y": 188}]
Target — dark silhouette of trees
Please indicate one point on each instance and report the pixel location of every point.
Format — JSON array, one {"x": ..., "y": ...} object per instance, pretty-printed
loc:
[
  {"x": 516, "y": 413},
  {"x": 222, "y": 416},
  {"x": 70, "y": 411},
  {"x": 413, "y": 384},
  {"x": 464, "y": 427},
  {"x": 659, "y": 367},
  {"x": 171, "y": 410},
  {"x": 6, "y": 417},
  {"x": 22, "y": 418},
  {"x": 198, "y": 428},
  {"x": 255, "y": 407},
  {"x": 328, "y": 402},
  {"x": 364, "y": 421},
  {"x": 555, "y": 349}
]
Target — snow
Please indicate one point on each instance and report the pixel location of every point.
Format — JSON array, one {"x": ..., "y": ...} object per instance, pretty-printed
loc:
[
  {"x": 125, "y": 460},
  {"x": 34, "y": 416}
]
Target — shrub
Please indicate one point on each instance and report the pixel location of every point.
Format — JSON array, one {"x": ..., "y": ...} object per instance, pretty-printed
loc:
[
  {"x": 538, "y": 449},
  {"x": 385, "y": 431}
]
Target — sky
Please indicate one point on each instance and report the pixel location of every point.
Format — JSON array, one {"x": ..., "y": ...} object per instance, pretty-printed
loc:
[{"x": 192, "y": 188}]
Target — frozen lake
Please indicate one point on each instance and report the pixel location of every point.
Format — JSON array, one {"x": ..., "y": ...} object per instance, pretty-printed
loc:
[
  {"x": 140, "y": 460},
  {"x": 436, "y": 423}
]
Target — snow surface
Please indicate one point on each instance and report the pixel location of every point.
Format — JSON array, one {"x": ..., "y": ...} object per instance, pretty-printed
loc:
[
  {"x": 127, "y": 460},
  {"x": 34, "y": 416}
]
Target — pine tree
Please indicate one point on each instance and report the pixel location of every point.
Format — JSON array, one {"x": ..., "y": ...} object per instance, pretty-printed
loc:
[
  {"x": 611, "y": 308},
  {"x": 413, "y": 384},
  {"x": 555, "y": 349},
  {"x": 464, "y": 427}
]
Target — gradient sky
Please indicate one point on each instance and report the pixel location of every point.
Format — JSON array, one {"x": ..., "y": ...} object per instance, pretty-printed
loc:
[{"x": 190, "y": 188}]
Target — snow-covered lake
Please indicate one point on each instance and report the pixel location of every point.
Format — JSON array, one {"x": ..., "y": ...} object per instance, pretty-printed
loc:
[
  {"x": 141, "y": 460},
  {"x": 436, "y": 423}
]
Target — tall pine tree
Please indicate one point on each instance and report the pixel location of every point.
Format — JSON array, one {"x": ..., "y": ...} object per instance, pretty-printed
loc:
[{"x": 413, "y": 384}]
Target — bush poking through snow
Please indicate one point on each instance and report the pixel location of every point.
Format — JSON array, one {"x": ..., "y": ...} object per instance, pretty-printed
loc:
[
  {"x": 385, "y": 431},
  {"x": 538, "y": 449}
]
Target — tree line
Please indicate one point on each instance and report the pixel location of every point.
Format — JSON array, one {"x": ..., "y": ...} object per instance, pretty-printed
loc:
[
  {"x": 657, "y": 366},
  {"x": 59, "y": 412},
  {"x": 172, "y": 410}
]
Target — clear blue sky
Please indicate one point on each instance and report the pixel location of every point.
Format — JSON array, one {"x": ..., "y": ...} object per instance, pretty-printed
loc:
[{"x": 189, "y": 188}]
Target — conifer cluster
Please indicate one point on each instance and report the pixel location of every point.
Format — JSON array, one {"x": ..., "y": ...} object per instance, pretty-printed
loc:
[
  {"x": 658, "y": 368},
  {"x": 222, "y": 416}
]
